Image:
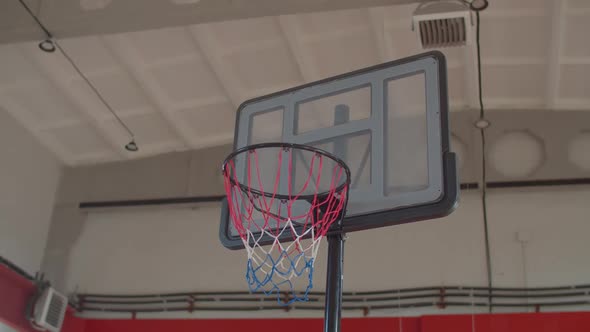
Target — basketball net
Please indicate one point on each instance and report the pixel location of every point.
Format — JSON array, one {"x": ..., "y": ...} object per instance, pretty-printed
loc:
[{"x": 292, "y": 218}]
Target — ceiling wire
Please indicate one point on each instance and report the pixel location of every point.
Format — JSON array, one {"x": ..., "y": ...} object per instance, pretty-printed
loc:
[
  {"x": 51, "y": 40},
  {"x": 39, "y": 23},
  {"x": 483, "y": 164},
  {"x": 94, "y": 89}
]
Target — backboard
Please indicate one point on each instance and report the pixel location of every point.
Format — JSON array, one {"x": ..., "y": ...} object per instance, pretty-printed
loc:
[{"x": 388, "y": 123}]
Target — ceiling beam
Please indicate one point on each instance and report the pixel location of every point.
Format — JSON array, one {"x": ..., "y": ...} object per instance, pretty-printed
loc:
[
  {"x": 555, "y": 53},
  {"x": 307, "y": 70},
  {"x": 384, "y": 44},
  {"x": 290, "y": 32},
  {"x": 470, "y": 69},
  {"x": 67, "y": 18},
  {"x": 377, "y": 21},
  {"x": 204, "y": 41}
]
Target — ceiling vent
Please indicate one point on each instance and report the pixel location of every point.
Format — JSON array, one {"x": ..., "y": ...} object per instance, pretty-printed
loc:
[{"x": 442, "y": 24}]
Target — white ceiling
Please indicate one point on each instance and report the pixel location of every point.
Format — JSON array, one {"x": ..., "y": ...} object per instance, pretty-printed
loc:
[
  {"x": 178, "y": 88},
  {"x": 76, "y": 18}
]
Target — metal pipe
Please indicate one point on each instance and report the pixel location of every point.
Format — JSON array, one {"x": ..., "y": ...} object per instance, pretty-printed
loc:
[
  {"x": 15, "y": 268},
  {"x": 217, "y": 198},
  {"x": 346, "y": 308},
  {"x": 345, "y": 300},
  {"x": 261, "y": 296},
  {"x": 148, "y": 202},
  {"x": 563, "y": 291}
]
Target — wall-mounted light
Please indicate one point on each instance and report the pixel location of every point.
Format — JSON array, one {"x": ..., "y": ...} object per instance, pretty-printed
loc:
[
  {"x": 482, "y": 123},
  {"x": 47, "y": 46},
  {"x": 131, "y": 146},
  {"x": 478, "y": 5}
]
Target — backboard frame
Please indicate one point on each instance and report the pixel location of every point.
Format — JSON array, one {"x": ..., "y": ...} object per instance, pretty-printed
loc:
[{"x": 445, "y": 203}]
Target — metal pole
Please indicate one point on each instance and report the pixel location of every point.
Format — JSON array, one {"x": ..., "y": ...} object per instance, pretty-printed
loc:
[
  {"x": 333, "y": 309},
  {"x": 341, "y": 116}
]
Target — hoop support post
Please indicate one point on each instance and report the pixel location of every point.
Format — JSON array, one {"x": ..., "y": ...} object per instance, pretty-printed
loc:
[{"x": 333, "y": 307}]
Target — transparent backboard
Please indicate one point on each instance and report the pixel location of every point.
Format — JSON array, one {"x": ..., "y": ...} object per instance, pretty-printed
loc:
[{"x": 388, "y": 123}]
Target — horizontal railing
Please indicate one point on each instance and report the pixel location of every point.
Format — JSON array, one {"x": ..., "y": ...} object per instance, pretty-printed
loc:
[{"x": 436, "y": 297}]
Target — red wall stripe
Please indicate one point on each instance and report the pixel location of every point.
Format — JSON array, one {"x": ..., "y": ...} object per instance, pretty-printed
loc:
[
  {"x": 411, "y": 324},
  {"x": 537, "y": 322},
  {"x": 15, "y": 290},
  {"x": 534, "y": 322},
  {"x": 73, "y": 323}
]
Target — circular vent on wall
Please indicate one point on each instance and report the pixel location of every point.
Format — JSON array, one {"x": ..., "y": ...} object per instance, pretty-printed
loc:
[{"x": 517, "y": 154}]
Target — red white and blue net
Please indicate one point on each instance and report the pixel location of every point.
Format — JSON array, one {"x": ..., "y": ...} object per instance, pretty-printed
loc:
[{"x": 283, "y": 199}]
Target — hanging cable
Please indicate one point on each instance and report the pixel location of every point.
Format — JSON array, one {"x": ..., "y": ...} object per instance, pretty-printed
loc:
[
  {"x": 482, "y": 124},
  {"x": 92, "y": 87},
  {"x": 478, "y": 5},
  {"x": 50, "y": 44},
  {"x": 48, "y": 34}
]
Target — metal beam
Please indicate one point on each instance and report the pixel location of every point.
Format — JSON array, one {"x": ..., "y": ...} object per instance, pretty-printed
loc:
[
  {"x": 217, "y": 198},
  {"x": 377, "y": 20},
  {"x": 67, "y": 18},
  {"x": 204, "y": 40},
  {"x": 556, "y": 52},
  {"x": 470, "y": 70},
  {"x": 290, "y": 32},
  {"x": 307, "y": 71}
]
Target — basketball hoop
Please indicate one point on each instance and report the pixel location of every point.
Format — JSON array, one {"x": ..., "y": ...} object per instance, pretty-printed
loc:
[
  {"x": 283, "y": 198},
  {"x": 290, "y": 194}
]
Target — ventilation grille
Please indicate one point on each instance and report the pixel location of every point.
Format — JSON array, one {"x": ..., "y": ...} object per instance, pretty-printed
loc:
[
  {"x": 50, "y": 310},
  {"x": 445, "y": 32},
  {"x": 55, "y": 311}
]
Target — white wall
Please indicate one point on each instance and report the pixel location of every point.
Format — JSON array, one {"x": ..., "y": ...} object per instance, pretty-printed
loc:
[
  {"x": 166, "y": 250},
  {"x": 29, "y": 178},
  {"x": 145, "y": 251}
]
